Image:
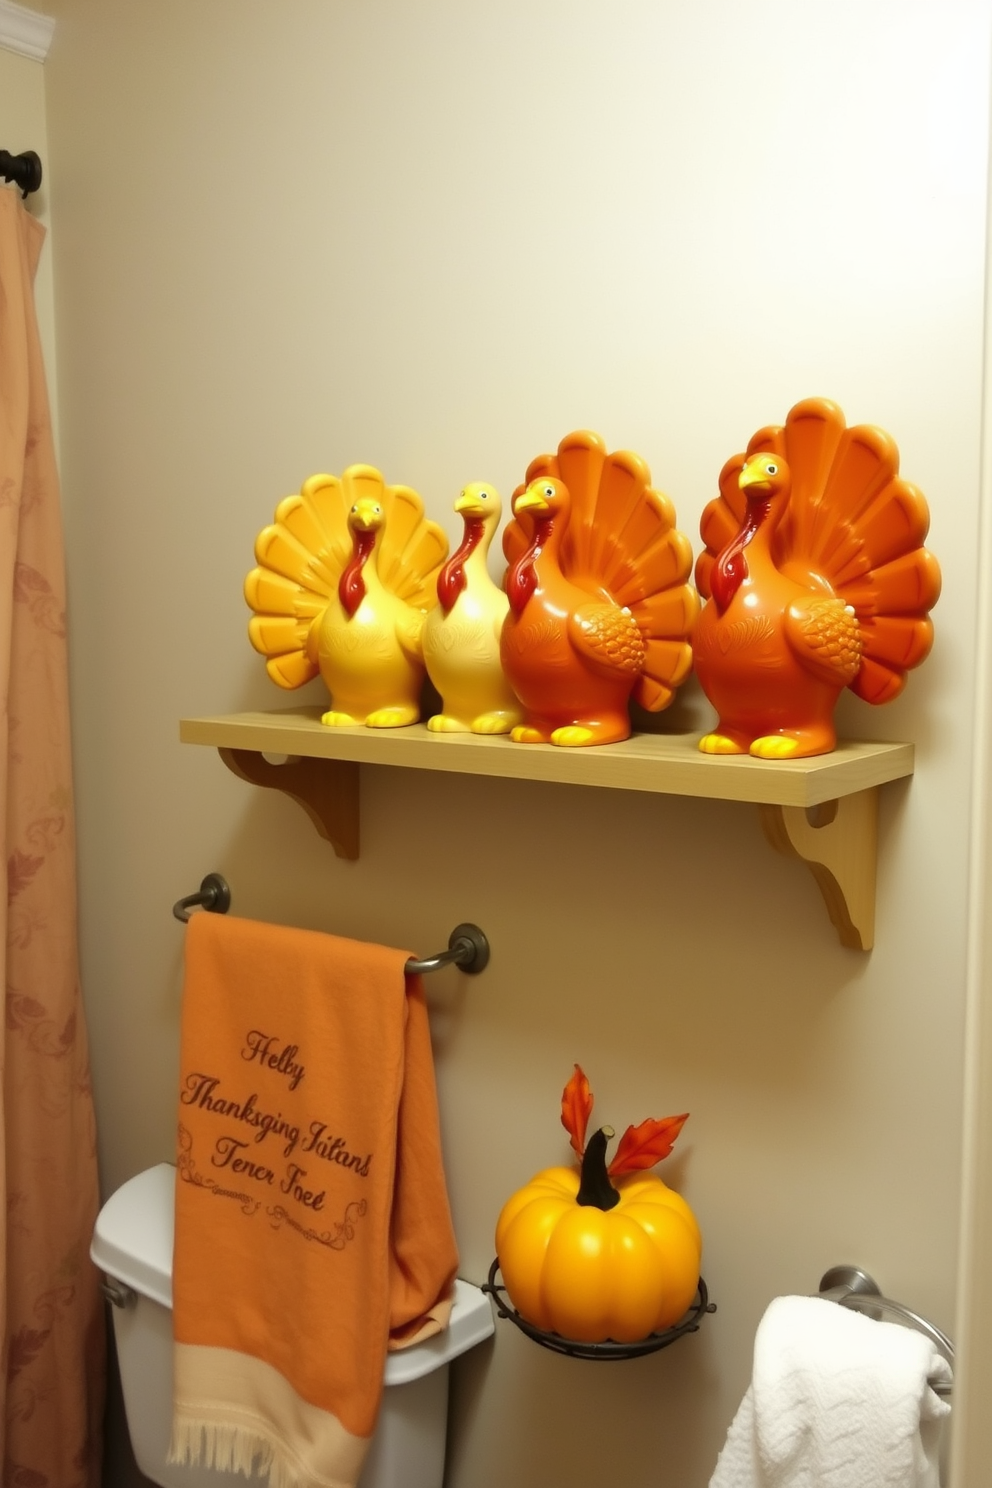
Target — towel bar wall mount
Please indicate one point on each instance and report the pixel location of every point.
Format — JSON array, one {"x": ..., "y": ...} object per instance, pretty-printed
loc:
[
  {"x": 855, "y": 1289},
  {"x": 468, "y": 947}
]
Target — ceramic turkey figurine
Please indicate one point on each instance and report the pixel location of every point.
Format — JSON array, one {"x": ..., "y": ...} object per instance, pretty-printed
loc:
[
  {"x": 816, "y": 579},
  {"x": 345, "y": 576},
  {"x": 461, "y": 633},
  {"x": 600, "y": 607}
]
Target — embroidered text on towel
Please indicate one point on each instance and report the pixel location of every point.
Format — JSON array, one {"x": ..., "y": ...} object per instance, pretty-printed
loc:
[
  {"x": 259, "y": 1045},
  {"x": 203, "y": 1091}
]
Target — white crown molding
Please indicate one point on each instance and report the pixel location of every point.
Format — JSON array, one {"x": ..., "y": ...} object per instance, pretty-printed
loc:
[{"x": 25, "y": 31}]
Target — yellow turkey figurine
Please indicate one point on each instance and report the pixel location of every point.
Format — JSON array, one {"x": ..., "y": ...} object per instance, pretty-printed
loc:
[
  {"x": 600, "y": 606},
  {"x": 461, "y": 633},
  {"x": 345, "y": 576},
  {"x": 816, "y": 579}
]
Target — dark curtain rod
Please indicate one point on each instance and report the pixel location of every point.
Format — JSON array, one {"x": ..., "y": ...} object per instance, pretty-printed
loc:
[{"x": 24, "y": 170}]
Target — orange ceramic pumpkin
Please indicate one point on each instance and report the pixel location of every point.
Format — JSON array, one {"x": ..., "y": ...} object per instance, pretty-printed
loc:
[{"x": 591, "y": 1259}]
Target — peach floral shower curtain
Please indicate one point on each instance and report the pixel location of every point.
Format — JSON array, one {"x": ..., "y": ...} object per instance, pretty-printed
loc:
[{"x": 53, "y": 1326}]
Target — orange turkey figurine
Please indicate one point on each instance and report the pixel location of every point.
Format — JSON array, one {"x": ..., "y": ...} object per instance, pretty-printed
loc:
[
  {"x": 600, "y": 604},
  {"x": 816, "y": 579}
]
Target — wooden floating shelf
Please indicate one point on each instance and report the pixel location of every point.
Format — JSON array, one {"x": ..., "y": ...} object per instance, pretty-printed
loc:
[{"x": 822, "y": 810}]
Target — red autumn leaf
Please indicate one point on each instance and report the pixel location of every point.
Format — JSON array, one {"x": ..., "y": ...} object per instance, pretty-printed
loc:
[
  {"x": 576, "y": 1108},
  {"x": 642, "y": 1146}
]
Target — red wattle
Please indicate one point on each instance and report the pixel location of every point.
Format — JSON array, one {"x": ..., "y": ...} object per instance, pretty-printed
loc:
[
  {"x": 351, "y": 585},
  {"x": 521, "y": 580},
  {"x": 451, "y": 580},
  {"x": 730, "y": 569},
  {"x": 729, "y": 573}
]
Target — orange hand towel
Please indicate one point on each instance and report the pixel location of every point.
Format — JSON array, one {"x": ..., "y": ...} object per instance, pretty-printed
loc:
[{"x": 312, "y": 1222}]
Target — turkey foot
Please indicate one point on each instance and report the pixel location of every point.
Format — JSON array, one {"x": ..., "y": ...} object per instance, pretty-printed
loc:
[
  {"x": 335, "y": 719},
  {"x": 773, "y": 746},
  {"x": 787, "y": 744},
  {"x": 794, "y": 743},
  {"x": 442, "y": 723},
  {"x": 574, "y": 735},
  {"x": 394, "y": 717},
  {"x": 494, "y": 723},
  {"x": 609, "y": 728},
  {"x": 486, "y": 723},
  {"x": 721, "y": 744}
]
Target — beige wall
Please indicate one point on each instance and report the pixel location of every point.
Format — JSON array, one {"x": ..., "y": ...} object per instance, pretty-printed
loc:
[{"x": 436, "y": 238}]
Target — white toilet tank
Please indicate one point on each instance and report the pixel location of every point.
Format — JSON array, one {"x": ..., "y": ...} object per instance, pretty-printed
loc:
[{"x": 132, "y": 1245}]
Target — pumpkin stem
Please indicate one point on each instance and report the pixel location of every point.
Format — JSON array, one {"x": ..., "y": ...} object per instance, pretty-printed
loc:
[{"x": 595, "y": 1188}]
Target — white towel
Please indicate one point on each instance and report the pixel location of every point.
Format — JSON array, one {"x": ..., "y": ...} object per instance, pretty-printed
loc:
[{"x": 836, "y": 1400}]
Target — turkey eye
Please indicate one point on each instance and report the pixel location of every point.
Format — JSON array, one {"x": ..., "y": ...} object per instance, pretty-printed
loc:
[
  {"x": 549, "y": 490},
  {"x": 771, "y": 470}
]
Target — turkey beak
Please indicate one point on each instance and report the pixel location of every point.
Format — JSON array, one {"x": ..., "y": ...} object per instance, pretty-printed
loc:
[
  {"x": 366, "y": 515},
  {"x": 753, "y": 477},
  {"x": 531, "y": 500},
  {"x": 470, "y": 503}
]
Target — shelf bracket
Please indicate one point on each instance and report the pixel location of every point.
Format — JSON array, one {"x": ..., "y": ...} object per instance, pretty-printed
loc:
[
  {"x": 327, "y": 790},
  {"x": 838, "y": 840}
]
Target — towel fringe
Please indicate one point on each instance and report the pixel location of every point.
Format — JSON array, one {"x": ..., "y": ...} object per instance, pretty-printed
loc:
[
  {"x": 226, "y": 1448},
  {"x": 240, "y": 1449}
]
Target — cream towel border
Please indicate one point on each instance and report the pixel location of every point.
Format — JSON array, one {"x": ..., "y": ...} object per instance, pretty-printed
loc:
[{"x": 291, "y": 1440}]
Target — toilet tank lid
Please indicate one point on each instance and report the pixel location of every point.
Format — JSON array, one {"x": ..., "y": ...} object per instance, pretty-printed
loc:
[
  {"x": 132, "y": 1241},
  {"x": 471, "y": 1323}
]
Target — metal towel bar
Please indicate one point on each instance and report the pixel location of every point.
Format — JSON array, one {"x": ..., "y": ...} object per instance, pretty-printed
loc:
[
  {"x": 851, "y": 1287},
  {"x": 468, "y": 947}
]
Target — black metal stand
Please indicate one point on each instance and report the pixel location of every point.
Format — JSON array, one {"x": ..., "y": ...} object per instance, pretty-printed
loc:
[{"x": 608, "y": 1349}]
